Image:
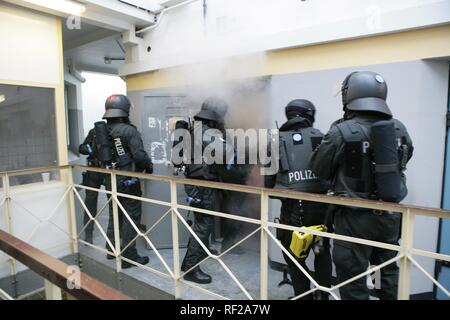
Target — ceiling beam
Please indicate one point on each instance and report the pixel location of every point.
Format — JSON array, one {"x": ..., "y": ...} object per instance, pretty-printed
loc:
[
  {"x": 107, "y": 22},
  {"x": 85, "y": 39},
  {"x": 140, "y": 16},
  {"x": 108, "y": 14},
  {"x": 108, "y": 69}
]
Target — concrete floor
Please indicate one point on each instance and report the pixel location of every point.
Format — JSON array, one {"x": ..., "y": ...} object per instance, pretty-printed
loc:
[{"x": 245, "y": 267}]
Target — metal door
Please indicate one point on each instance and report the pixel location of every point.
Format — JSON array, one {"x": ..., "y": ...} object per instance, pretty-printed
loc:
[{"x": 156, "y": 115}]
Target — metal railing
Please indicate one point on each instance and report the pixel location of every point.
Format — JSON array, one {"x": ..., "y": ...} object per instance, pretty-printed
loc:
[
  {"x": 56, "y": 273},
  {"x": 405, "y": 257}
]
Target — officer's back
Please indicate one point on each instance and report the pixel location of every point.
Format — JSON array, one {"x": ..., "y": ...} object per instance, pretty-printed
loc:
[
  {"x": 297, "y": 140},
  {"x": 129, "y": 155},
  {"x": 365, "y": 155},
  {"x": 126, "y": 139},
  {"x": 345, "y": 156}
]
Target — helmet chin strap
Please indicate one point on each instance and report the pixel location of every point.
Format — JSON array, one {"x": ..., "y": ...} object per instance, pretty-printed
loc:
[
  {"x": 344, "y": 88},
  {"x": 345, "y": 113}
]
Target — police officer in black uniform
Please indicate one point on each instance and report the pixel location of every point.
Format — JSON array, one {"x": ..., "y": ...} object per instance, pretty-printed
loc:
[
  {"x": 233, "y": 202},
  {"x": 91, "y": 179},
  {"x": 130, "y": 156},
  {"x": 210, "y": 117},
  {"x": 297, "y": 140},
  {"x": 348, "y": 157}
]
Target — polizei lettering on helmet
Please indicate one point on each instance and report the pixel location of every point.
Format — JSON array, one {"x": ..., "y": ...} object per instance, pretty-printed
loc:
[{"x": 301, "y": 175}]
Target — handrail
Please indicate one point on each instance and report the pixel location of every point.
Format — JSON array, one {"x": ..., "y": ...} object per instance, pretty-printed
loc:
[
  {"x": 56, "y": 271},
  {"x": 34, "y": 170},
  {"x": 279, "y": 193},
  {"x": 405, "y": 248},
  {"x": 339, "y": 200}
]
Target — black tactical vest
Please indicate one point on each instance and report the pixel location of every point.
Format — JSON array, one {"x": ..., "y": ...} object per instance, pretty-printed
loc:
[
  {"x": 355, "y": 177},
  {"x": 296, "y": 148},
  {"x": 200, "y": 170},
  {"x": 121, "y": 150}
]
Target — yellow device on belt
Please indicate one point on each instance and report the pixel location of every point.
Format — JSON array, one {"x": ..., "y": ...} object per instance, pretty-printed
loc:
[{"x": 301, "y": 242}]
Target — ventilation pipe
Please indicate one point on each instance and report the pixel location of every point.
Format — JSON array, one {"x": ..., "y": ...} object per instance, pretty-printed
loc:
[{"x": 160, "y": 16}]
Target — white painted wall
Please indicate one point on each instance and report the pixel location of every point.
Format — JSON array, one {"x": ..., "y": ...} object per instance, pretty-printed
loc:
[
  {"x": 28, "y": 46},
  {"x": 33, "y": 222},
  {"x": 94, "y": 92},
  {"x": 235, "y": 27}
]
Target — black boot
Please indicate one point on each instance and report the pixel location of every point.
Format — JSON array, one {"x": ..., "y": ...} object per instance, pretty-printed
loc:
[
  {"x": 109, "y": 256},
  {"x": 321, "y": 295},
  {"x": 137, "y": 258},
  {"x": 88, "y": 236},
  {"x": 198, "y": 276}
]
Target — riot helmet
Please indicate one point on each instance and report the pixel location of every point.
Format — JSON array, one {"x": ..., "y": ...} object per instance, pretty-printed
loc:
[
  {"x": 365, "y": 91},
  {"x": 117, "y": 106},
  {"x": 300, "y": 108},
  {"x": 213, "y": 109}
]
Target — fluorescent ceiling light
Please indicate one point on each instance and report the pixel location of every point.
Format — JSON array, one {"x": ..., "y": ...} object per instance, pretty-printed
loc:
[
  {"x": 2, "y": 98},
  {"x": 66, "y": 6}
]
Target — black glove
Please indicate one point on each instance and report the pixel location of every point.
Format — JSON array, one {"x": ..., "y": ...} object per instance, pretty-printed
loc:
[
  {"x": 149, "y": 168},
  {"x": 85, "y": 149}
]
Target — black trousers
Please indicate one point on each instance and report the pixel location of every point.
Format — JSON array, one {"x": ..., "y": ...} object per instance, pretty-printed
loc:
[
  {"x": 233, "y": 203},
  {"x": 299, "y": 214},
  {"x": 134, "y": 210},
  {"x": 93, "y": 180},
  {"x": 203, "y": 224},
  {"x": 351, "y": 258}
]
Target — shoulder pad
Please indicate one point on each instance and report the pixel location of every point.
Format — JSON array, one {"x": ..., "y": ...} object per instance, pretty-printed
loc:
[
  {"x": 350, "y": 131},
  {"x": 316, "y": 132},
  {"x": 398, "y": 124}
]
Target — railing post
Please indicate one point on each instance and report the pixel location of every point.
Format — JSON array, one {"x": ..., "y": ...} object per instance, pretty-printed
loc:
[
  {"x": 175, "y": 240},
  {"x": 8, "y": 218},
  {"x": 116, "y": 221},
  {"x": 406, "y": 242},
  {"x": 72, "y": 212},
  {"x": 264, "y": 253},
  {"x": 52, "y": 292}
]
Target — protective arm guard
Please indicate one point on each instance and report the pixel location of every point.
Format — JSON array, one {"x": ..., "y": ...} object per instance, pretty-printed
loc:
[
  {"x": 327, "y": 156},
  {"x": 284, "y": 159},
  {"x": 139, "y": 155}
]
